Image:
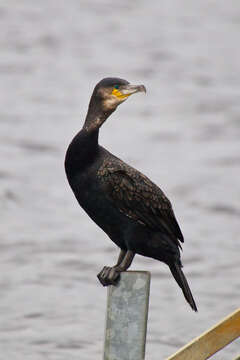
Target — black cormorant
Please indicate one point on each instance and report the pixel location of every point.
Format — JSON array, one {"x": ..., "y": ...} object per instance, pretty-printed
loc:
[{"x": 130, "y": 208}]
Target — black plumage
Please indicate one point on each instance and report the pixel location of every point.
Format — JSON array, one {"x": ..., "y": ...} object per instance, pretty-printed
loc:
[{"x": 130, "y": 208}]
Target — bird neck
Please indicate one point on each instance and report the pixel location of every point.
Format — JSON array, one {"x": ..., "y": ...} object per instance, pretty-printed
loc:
[
  {"x": 84, "y": 147},
  {"x": 96, "y": 116}
]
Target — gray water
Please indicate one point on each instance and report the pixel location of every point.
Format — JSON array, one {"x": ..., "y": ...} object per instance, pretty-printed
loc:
[{"x": 184, "y": 134}]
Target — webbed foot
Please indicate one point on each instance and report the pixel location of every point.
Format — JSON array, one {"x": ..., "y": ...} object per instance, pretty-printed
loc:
[{"x": 109, "y": 275}]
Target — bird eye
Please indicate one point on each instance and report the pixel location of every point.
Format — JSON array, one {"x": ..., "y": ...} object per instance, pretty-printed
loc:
[{"x": 116, "y": 87}]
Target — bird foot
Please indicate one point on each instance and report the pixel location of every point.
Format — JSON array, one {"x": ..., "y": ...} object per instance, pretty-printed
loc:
[{"x": 109, "y": 275}]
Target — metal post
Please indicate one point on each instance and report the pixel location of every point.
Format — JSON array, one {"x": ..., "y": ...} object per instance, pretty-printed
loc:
[{"x": 126, "y": 320}]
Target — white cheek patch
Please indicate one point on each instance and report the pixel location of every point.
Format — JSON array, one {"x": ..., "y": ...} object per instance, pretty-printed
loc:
[{"x": 111, "y": 102}]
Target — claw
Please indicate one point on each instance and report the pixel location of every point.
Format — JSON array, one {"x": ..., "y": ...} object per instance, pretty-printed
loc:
[{"x": 109, "y": 276}]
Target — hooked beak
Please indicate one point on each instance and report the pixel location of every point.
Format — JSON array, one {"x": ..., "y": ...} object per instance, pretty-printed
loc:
[{"x": 129, "y": 89}]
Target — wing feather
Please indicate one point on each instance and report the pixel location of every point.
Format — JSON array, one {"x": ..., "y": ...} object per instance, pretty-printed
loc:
[{"x": 139, "y": 198}]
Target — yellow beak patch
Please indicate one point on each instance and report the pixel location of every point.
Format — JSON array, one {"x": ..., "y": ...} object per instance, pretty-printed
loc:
[{"x": 119, "y": 95}]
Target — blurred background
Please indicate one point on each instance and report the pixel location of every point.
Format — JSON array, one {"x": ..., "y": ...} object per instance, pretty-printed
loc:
[{"x": 184, "y": 134}]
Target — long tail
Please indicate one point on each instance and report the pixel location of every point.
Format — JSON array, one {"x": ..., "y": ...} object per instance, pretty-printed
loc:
[{"x": 182, "y": 282}]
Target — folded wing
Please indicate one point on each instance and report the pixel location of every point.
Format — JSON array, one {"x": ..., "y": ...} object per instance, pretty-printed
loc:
[{"x": 139, "y": 198}]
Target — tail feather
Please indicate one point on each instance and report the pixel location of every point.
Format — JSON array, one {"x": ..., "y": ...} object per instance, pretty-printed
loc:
[{"x": 182, "y": 282}]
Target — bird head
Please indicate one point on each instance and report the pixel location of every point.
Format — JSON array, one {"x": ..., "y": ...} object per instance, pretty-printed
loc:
[{"x": 111, "y": 92}]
